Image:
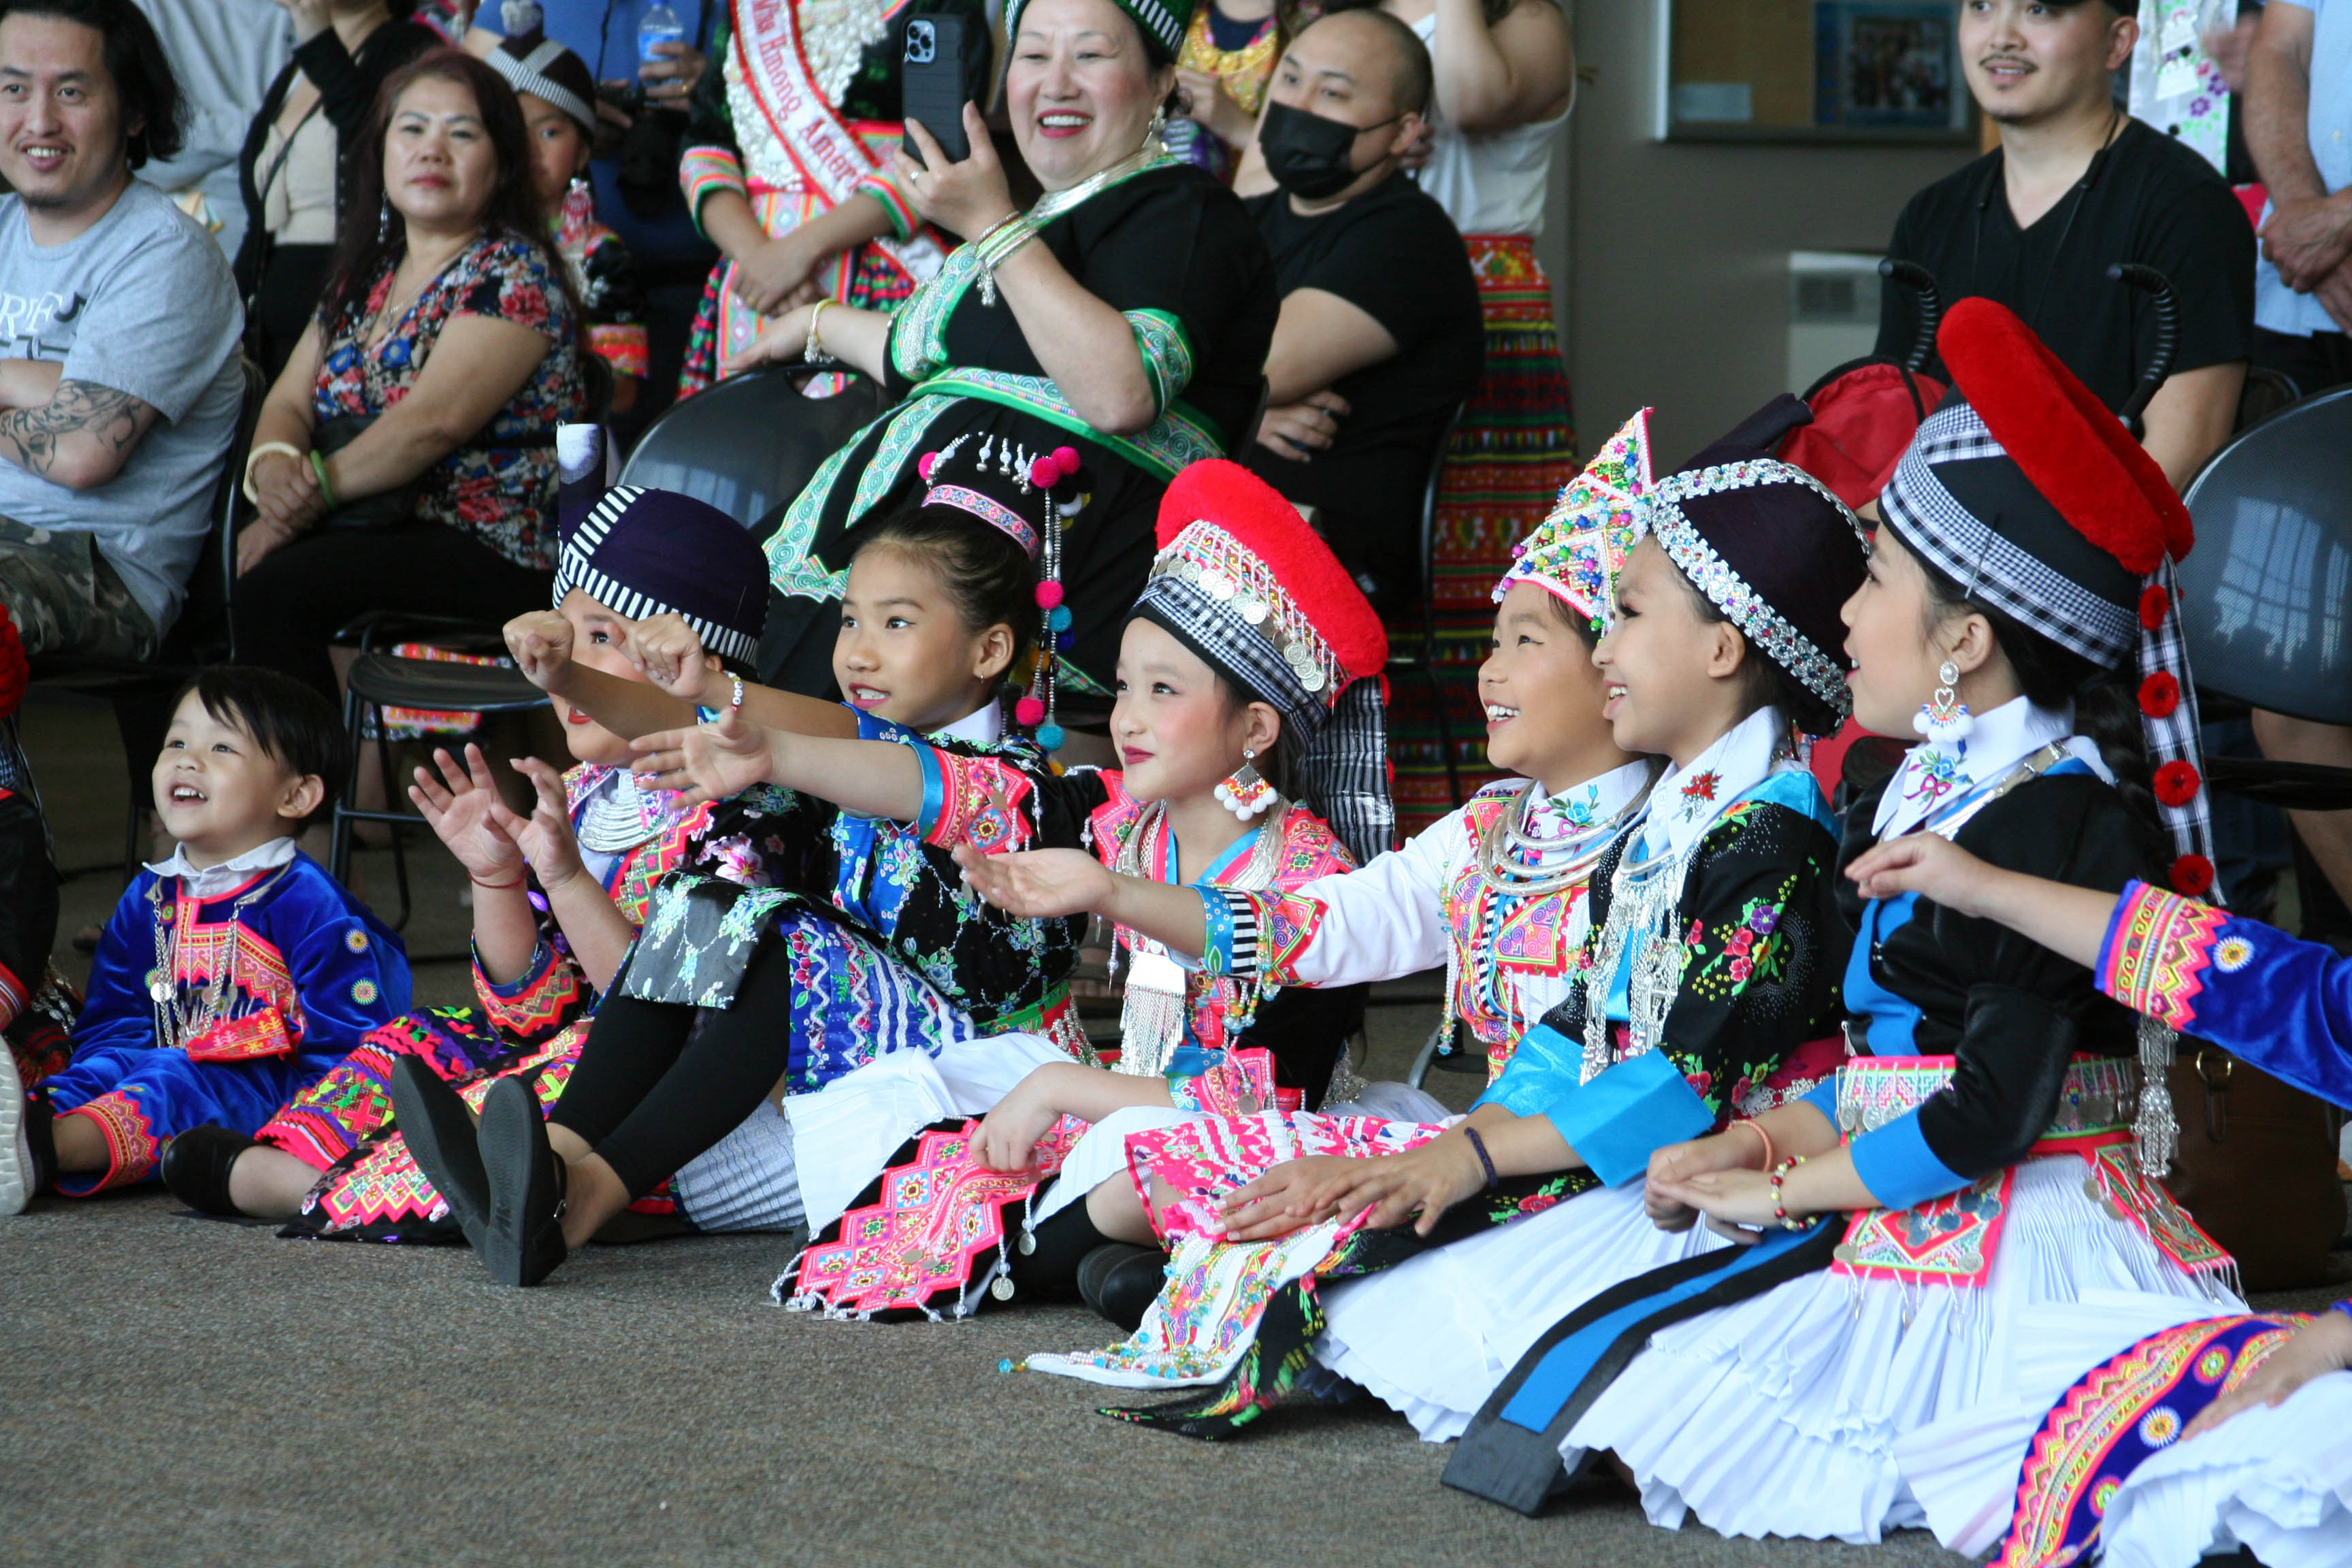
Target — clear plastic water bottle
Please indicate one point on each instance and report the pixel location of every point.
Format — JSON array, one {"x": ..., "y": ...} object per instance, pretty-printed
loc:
[{"x": 660, "y": 26}]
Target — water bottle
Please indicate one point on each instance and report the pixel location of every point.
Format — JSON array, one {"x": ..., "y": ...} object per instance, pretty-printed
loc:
[{"x": 660, "y": 26}]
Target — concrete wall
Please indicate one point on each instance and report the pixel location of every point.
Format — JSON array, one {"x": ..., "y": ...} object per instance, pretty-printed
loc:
[{"x": 1672, "y": 267}]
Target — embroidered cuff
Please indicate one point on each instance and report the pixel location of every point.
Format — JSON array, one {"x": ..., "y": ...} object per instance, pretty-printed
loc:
[
  {"x": 1232, "y": 920},
  {"x": 935, "y": 793},
  {"x": 904, "y": 220},
  {"x": 622, "y": 345},
  {"x": 704, "y": 171},
  {"x": 2155, "y": 953},
  {"x": 1895, "y": 1163},
  {"x": 1167, "y": 355}
]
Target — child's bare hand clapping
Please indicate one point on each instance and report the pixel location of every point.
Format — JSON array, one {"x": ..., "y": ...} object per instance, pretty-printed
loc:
[
  {"x": 668, "y": 652},
  {"x": 709, "y": 761},
  {"x": 545, "y": 837},
  {"x": 462, "y": 805},
  {"x": 540, "y": 643}
]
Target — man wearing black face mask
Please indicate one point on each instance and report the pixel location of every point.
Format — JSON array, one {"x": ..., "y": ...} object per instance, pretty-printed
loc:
[{"x": 1379, "y": 337}]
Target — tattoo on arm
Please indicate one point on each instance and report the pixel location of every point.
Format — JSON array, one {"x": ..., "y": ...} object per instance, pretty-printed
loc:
[{"x": 114, "y": 421}]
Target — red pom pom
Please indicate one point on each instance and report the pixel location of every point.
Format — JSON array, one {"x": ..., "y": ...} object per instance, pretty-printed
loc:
[
  {"x": 925, "y": 464},
  {"x": 1049, "y": 594},
  {"x": 2153, "y": 607},
  {"x": 2177, "y": 782},
  {"x": 2160, "y": 694},
  {"x": 1045, "y": 473},
  {"x": 2192, "y": 875},
  {"x": 1029, "y": 712}
]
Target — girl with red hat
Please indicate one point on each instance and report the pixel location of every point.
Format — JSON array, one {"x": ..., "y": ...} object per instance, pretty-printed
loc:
[
  {"x": 1992, "y": 1146},
  {"x": 1710, "y": 958}
]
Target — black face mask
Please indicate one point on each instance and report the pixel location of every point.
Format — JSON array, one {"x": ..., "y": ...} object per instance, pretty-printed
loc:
[{"x": 1307, "y": 154}]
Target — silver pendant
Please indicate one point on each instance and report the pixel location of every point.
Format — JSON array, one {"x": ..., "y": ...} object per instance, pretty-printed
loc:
[
  {"x": 1003, "y": 1289},
  {"x": 161, "y": 990},
  {"x": 1028, "y": 1244}
]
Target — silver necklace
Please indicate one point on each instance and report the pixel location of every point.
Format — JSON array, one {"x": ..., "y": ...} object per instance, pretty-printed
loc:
[
  {"x": 1643, "y": 895},
  {"x": 1153, "y": 1010},
  {"x": 175, "y": 1028}
]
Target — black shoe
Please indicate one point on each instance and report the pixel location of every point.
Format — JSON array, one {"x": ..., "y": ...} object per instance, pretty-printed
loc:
[
  {"x": 522, "y": 1235},
  {"x": 1119, "y": 1281},
  {"x": 28, "y": 1154},
  {"x": 196, "y": 1165},
  {"x": 440, "y": 1133}
]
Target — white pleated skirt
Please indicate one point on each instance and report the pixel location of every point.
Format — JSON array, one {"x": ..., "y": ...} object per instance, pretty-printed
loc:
[
  {"x": 2278, "y": 1481},
  {"x": 1434, "y": 1336},
  {"x": 1781, "y": 1415}
]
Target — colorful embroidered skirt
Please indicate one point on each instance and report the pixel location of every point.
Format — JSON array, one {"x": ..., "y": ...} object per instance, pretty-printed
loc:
[
  {"x": 336, "y": 1114},
  {"x": 1512, "y": 452}
]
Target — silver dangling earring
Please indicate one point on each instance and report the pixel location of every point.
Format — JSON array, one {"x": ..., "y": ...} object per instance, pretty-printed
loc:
[
  {"x": 1944, "y": 718},
  {"x": 1157, "y": 131},
  {"x": 384, "y": 221},
  {"x": 1244, "y": 791}
]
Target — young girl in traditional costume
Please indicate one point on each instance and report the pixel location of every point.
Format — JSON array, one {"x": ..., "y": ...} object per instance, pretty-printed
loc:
[
  {"x": 787, "y": 168},
  {"x": 2086, "y": 1463},
  {"x": 231, "y": 974},
  {"x": 1249, "y": 690},
  {"x": 1978, "y": 1157},
  {"x": 557, "y": 895},
  {"x": 799, "y": 942},
  {"x": 1711, "y": 959}
]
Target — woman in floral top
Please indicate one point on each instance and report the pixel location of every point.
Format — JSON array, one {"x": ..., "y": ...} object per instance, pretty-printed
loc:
[{"x": 371, "y": 499}]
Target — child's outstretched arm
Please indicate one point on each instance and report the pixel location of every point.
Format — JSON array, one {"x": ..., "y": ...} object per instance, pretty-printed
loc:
[
  {"x": 729, "y": 756},
  {"x": 2071, "y": 922},
  {"x": 540, "y": 643},
  {"x": 463, "y": 807},
  {"x": 1041, "y": 884},
  {"x": 598, "y": 932},
  {"x": 1008, "y": 1135}
]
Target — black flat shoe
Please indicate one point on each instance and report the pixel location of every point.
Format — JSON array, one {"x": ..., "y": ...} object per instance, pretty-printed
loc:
[
  {"x": 523, "y": 1236},
  {"x": 1119, "y": 1281},
  {"x": 196, "y": 1165},
  {"x": 440, "y": 1133}
]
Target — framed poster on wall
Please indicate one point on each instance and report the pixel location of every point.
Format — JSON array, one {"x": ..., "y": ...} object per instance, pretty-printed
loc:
[{"x": 1810, "y": 70}]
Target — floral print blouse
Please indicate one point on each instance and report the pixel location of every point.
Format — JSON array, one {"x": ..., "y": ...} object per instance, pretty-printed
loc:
[{"x": 500, "y": 486}]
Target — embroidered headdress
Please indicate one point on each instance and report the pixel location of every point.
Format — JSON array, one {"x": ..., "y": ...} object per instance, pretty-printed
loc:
[
  {"x": 1030, "y": 498},
  {"x": 546, "y": 69},
  {"x": 1576, "y": 552},
  {"x": 1772, "y": 548},
  {"x": 1242, "y": 580},
  {"x": 641, "y": 553},
  {"x": 1164, "y": 20},
  {"x": 2028, "y": 492}
]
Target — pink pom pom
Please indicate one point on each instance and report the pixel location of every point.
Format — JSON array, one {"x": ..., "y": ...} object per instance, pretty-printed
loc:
[
  {"x": 925, "y": 464},
  {"x": 1029, "y": 712},
  {"x": 1067, "y": 457},
  {"x": 1043, "y": 474},
  {"x": 1049, "y": 594}
]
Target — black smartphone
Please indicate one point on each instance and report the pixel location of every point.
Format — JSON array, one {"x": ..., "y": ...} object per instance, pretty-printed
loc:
[{"x": 930, "y": 84}]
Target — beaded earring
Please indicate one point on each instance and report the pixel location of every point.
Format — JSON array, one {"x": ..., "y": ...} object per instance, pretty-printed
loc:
[
  {"x": 1944, "y": 718},
  {"x": 1244, "y": 791}
]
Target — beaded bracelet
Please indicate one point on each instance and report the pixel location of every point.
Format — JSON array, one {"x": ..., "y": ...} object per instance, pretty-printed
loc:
[
  {"x": 1779, "y": 1210},
  {"x": 1478, "y": 1147},
  {"x": 706, "y": 714}
]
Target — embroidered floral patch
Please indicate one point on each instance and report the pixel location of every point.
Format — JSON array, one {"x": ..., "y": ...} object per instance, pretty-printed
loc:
[
  {"x": 363, "y": 992},
  {"x": 2233, "y": 954},
  {"x": 356, "y": 940},
  {"x": 1699, "y": 791}
]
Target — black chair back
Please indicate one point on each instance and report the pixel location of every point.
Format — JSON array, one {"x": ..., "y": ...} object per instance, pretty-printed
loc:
[
  {"x": 2267, "y": 597},
  {"x": 751, "y": 443}
]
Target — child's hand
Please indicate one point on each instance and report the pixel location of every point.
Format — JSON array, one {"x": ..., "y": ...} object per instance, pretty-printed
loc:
[
  {"x": 462, "y": 806},
  {"x": 1739, "y": 1204},
  {"x": 540, "y": 643},
  {"x": 709, "y": 761},
  {"x": 1926, "y": 864},
  {"x": 1677, "y": 1163},
  {"x": 2319, "y": 1347},
  {"x": 666, "y": 651},
  {"x": 1007, "y": 1138},
  {"x": 1038, "y": 884},
  {"x": 545, "y": 837}
]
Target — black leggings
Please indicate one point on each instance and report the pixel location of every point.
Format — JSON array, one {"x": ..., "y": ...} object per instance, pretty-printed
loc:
[
  {"x": 651, "y": 1091},
  {"x": 301, "y": 595}
]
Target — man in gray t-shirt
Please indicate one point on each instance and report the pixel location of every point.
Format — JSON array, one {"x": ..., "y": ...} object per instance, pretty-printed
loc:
[{"x": 119, "y": 329}]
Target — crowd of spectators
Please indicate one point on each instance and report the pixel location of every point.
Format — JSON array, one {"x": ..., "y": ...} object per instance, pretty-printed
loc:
[{"x": 421, "y": 228}]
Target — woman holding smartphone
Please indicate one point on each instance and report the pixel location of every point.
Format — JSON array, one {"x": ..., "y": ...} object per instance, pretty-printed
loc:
[{"x": 1126, "y": 315}]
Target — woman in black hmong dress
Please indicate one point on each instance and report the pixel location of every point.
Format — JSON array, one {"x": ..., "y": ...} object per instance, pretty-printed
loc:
[{"x": 1133, "y": 330}]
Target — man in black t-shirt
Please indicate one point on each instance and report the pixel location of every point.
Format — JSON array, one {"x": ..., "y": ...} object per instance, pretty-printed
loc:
[
  {"x": 1379, "y": 338},
  {"x": 2076, "y": 186}
]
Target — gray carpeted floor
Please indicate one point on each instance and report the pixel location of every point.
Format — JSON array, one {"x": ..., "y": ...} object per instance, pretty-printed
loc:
[{"x": 187, "y": 1391}]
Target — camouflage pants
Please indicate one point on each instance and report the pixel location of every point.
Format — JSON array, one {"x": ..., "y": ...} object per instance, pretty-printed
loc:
[{"x": 66, "y": 598}]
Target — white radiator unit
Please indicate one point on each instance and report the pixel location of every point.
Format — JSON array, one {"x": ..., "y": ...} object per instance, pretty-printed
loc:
[{"x": 1833, "y": 312}]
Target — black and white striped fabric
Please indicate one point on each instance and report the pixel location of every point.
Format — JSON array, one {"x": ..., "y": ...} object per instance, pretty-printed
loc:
[
  {"x": 529, "y": 74},
  {"x": 579, "y": 566}
]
